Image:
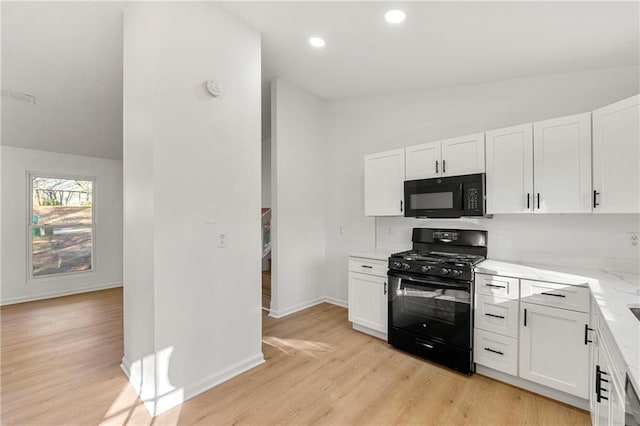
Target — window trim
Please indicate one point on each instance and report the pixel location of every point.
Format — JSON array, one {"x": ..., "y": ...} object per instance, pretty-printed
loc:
[{"x": 30, "y": 226}]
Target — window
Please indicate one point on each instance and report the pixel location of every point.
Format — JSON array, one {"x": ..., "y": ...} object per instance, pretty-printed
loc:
[{"x": 61, "y": 225}]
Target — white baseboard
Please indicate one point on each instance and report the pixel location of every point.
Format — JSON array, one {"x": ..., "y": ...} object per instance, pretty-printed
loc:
[
  {"x": 164, "y": 403},
  {"x": 534, "y": 387},
  {"x": 367, "y": 330},
  {"x": 59, "y": 293},
  {"x": 279, "y": 313},
  {"x": 231, "y": 372},
  {"x": 338, "y": 302}
]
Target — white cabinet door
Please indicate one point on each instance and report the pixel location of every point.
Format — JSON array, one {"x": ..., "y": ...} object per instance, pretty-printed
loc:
[
  {"x": 562, "y": 164},
  {"x": 368, "y": 301},
  {"x": 384, "y": 183},
  {"x": 463, "y": 155},
  {"x": 616, "y": 157},
  {"x": 552, "y": 348},
  {"x": 423, "y": 161},
  {"x": 510, "y": 170}
]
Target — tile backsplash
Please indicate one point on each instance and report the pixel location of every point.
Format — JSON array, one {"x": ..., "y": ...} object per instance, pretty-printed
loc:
[{"x": 589, "y": 241}]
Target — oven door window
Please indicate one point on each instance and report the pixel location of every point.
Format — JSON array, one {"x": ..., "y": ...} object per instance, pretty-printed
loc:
[{"x": 431, "y": 309}]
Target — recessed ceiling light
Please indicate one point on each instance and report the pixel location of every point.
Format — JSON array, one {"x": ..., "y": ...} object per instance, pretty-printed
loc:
[
  {"x": 316, "y": 42},
  {"x": 395, "y": 16}
]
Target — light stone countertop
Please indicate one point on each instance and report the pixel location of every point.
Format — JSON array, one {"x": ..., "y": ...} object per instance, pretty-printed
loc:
[{"x": 612, "y": 291}]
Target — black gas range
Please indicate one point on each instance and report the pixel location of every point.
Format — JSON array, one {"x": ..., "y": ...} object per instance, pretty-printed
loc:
[{"x": 431, "y": 295}]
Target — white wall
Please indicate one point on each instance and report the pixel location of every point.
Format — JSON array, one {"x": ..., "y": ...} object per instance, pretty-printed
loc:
[
  {"x": 266, "y": 172},
  {"x": 16, "y": 162},
  {"x": 298, "y": 145},
  {"x": 371, "y": 124},
  {"x": 69, "y": 56},
  {"x": 192, "y": 310}
]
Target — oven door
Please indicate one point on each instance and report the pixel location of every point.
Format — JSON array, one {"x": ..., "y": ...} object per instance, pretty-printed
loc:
[
  {"x": 430, "y": 307},
  {"x": 433, "y": 198}
]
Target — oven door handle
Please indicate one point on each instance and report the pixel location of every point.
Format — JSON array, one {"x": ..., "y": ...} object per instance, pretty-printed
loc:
[{"x": 425, "y": 282}]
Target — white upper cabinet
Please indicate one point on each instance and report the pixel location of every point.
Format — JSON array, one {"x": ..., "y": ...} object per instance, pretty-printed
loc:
[
  {"x": 423, "y": 161},
  {"x": 452, "y": 157},
  {"x": 510, "y": 170},
  {"x": 463, "y": 155},
  {"x": 616, "y": 157},
  {"x": 384, "y": 183},
  {"x": 562, "y": 164}
]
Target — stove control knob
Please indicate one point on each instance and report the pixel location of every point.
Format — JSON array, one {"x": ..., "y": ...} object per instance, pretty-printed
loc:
[
  {"x": 406, "y": 266},
  {"x": 425, "y": 268},
  {"x": 444, "y": 271},
  {"x": 396, "y": 265},
  {"x": 457, "y": 273}
]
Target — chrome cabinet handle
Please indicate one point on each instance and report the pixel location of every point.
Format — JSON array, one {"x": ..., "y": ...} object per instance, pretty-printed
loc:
[
  {"x": 595, "y": 198},
  {"x": 436, "y": 166},
  {"x": 385, "y": 287},
  {"x": 496, "y": 286},
  {"x": 493, "y": 315},
  {"x": 366, "y": 266},
  {"x": 444, "y": 166}
]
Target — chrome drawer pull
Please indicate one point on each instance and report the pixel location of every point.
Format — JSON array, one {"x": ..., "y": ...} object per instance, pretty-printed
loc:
[
  {"x": 496, "y": 286},
  {"x": 495, "y": 316},
  {"x": 367, "y": 266}
]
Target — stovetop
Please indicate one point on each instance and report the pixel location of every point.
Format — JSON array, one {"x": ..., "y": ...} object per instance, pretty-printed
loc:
[
  {"x": 443, "y": 253},
  {"x": 455, "y": 266},
  {"x": 440, "y": 257}
]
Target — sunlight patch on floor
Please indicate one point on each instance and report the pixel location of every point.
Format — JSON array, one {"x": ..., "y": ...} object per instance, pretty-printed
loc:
[
  {"x": 123, "y": 408},
  {"x": 293, "y": 346}
]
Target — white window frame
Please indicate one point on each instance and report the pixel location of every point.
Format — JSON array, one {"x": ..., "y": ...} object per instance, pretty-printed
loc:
[{"x": 31, "y": 226}]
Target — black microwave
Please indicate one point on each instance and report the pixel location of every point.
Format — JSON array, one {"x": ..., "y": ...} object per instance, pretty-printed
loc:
[{"x": 445, "y": 197}]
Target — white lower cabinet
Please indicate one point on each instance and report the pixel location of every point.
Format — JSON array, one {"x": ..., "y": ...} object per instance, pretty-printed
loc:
[
  {"x": 496, "y": 351},
  {"x": 497, "y": 315},
  {"x": 553, "y": 350},
  {"x": 607, "y": 391},
  {"x": 368, "y": 296},
  {"x": 521, "y": 328}
]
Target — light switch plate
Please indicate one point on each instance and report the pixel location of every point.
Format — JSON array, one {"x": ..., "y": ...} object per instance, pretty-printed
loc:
[
  {"x": 210, "y": 214},
  {"x": 222, "y": 239}
]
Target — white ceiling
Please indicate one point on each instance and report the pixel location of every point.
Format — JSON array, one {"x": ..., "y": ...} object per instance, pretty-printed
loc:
[
  {"x": 439, "y": 44},
  {"x": 69, "y": 56}
]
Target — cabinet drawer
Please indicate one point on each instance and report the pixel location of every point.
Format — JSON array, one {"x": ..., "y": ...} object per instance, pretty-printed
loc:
[
  {"x": 494, "y": 285},
  {"x": 495, "y": 351},
  {"x": 563, "y": 296},
  {"x": 368, "y": 266},
  {"x": 497, "y": 315}
]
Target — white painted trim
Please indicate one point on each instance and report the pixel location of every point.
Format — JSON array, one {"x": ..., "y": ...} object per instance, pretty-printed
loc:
[
  {"x": 301, "y": 306},
  {"x": 295, "y": 308},
  {"x": 225, "y": 375},
  {"x": 338, "y": 302},
  {"x": 164, "y": 403},
  {"x": 60, "y": 293},
  {"x": 533, "y": 387},
  {"x": 367, "y": 330}
]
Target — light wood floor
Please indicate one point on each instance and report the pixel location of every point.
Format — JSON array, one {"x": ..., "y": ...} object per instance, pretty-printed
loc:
[
  {"x": 266, "y": 289},
  {"x": 60, "y": 365}
]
